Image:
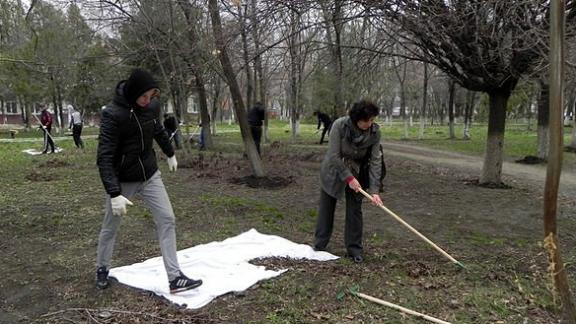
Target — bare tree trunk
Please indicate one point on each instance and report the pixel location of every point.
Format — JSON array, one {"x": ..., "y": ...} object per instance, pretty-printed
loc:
[
  {"x": 246, "y": 56},
  {"x": 239, "y": 108},
  {"x": 3, "y": 109},
  {"x": 555, "y": 162},
  {"x": 468, "y": 112},
  {"x": 571, "y": 109},
  {"x": 194, "y": 62},
  {"x": 24, "y": 112},
  {"x": 294, "y": 95},
  {"x": 401, "y": 80},
  {"x": 452, "y": 94},
  {"x": 333, "y": 17},
  {"x": 492, "y": 167},
  {"x": 424, "y": 102},
  {"x": 204, "y": 115},
  {"x": 529, "y": 110},
  {"x": 259, "y": 78},
  {"x": 543, "y": 120},
  {"x": 59, "y": 109},
  {"x": 215, "y": 100},
  {"x": 338, "y": 23}
]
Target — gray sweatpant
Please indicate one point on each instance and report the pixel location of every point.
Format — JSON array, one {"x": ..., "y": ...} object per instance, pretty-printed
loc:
[{"x": 154, "y": 194}]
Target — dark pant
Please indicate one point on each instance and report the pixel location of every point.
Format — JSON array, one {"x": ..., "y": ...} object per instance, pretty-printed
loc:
[
  {"x": 353, "y": 227},
  {"x": 324, "y": 131},
  {"x": 76, "y": 133},
  {"x": 257, "y": 136},
  {"x": 48, "y": 139}
]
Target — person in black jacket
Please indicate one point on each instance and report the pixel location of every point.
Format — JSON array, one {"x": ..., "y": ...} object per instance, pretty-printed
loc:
[
  {"x": 127, "y": 165},
  {"x": 255, "y": 117},
  {"x": 323, "y": 119},
  {"x": 171, "y": 126}
]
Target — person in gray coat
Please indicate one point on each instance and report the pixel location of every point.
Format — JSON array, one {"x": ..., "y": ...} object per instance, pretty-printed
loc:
[{"x": 351, "y": 162}]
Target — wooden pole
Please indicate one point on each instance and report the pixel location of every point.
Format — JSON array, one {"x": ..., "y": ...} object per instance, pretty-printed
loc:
[
  {"x": 413, "y": 230},
  {"x": 554, "y": 168},
  {"x": 400, "y": 308}
]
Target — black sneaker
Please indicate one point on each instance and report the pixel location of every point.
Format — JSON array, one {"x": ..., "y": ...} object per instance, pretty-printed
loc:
[
  {"x": 183, "y": 283},
  {"x": 358, "y": 258},
  {"x": 318, "y": 249},
  {"x": 102, "y": 278}
]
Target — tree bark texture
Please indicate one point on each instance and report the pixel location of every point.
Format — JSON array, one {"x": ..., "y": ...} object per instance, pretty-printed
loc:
[
  {"x": 492, "y": 168},
  {"x": 554, "y": 167},
  {"x": 452, "y": 94},
  {"x": 424, "y": 102},
  {"x": 543, "y": 120}
]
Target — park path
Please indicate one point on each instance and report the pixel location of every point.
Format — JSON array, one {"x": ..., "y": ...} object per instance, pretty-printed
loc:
[{"x": 530, "y": 174}]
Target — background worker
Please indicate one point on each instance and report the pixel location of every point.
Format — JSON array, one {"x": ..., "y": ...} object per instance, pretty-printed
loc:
[{"x": 352, "y": 162}]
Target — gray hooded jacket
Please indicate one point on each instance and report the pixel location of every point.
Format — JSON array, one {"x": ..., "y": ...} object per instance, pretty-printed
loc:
[{"x": 347, "y": 155}]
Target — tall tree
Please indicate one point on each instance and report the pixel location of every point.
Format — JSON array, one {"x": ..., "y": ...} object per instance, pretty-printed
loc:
[
  {"x": 483, "y": 45},
  {"x": 334, "y": 22},
  {"x": 230, "y": 76},
  {"x": 424, "y": 102}
]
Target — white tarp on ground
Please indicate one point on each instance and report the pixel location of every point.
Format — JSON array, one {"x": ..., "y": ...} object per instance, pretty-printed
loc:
[{"x": 222, "y": 266}]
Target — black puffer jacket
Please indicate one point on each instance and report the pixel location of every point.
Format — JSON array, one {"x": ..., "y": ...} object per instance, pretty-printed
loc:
[{"x": 125, "y": 152}]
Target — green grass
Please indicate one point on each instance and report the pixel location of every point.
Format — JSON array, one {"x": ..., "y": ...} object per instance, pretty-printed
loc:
[{"x": 518, "y": 141}]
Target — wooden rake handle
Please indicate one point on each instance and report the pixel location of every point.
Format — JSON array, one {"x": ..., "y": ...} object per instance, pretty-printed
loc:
[
  {"x": 402, "y": 309},
  {"x": 413, "y": 230}
]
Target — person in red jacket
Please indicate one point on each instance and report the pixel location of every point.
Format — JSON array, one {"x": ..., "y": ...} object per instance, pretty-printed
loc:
[{"x": 46, "y": 121}]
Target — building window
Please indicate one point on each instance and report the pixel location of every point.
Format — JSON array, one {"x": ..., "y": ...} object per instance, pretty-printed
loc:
[{"x": 11, "y": 107}]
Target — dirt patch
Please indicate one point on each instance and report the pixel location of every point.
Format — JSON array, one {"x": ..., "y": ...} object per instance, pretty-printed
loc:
[
  {"x": 277, "y": 263},
  {"x": 213, "y": 165},
  {"x": 37, "y": 176},
  {"x": 494, "y": 233},
  {"x": 55, "y": 163},
  {"x": 531, "y": 159},
  {"x": 476, "y": 182},
  {"x": 88, "y": 315},
  {"x": 263, "y": 182}
]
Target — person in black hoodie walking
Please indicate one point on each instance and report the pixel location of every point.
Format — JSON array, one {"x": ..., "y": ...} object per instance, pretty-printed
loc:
[
  {"x": 255, "y": 117},
  {"x": 127, "y": 165},
  {"x": 323, "y": 119}
]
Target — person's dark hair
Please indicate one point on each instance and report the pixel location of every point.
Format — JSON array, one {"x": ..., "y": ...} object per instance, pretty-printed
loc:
[{"x": 363, "y": 110}]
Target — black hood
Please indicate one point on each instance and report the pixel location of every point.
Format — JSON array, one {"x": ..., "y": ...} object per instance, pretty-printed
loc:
[
  {"x": 119, "y": 97},
  {"x": 137, "y": 84}
]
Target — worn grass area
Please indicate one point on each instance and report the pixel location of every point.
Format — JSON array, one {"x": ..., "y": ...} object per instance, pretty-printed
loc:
[{"x": 52, "y": 208}]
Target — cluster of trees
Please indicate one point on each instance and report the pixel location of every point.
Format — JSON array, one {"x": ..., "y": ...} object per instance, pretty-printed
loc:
[
  {"x": 434, "y": 60},
  {"x": 48, "y": 55}
]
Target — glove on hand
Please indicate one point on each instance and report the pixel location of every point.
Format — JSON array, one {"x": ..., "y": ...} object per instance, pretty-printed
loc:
[
  {"x": 172, "y": 163},
  {"x": 119, "y": 205}
]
